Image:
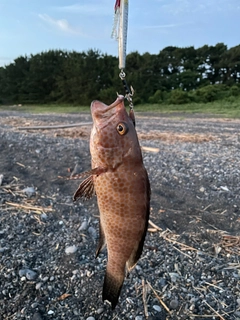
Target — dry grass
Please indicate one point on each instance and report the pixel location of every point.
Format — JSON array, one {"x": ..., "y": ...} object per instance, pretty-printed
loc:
[
  {"x": 173, "y": 137},
  {"x": 84, "y": 131},
  {"x": 21, "y": 202}
]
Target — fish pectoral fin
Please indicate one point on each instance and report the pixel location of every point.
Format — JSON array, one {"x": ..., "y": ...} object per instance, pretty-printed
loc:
[
  {"x": 86, "y": 187},
  {"x": 112, "y": 287},
  {"x": 96, "y": 171},
  {"x": 102, "y": 241}
]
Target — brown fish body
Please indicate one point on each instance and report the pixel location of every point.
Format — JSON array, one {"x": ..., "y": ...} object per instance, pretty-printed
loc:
[{"x": 123, "y": 192}]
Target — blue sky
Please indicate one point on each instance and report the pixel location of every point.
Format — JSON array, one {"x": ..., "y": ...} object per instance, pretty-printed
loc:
[{"x": 32, "y": 26}]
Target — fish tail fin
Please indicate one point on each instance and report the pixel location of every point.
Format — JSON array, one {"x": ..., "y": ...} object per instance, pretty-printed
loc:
[{"x": 112, "y": 287}]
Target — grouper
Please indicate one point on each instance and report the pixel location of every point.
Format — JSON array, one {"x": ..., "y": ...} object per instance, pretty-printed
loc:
[{"x": 121, "y": 183}]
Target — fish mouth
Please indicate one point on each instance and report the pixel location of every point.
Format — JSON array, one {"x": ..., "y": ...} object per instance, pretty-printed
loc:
[{"x": 102, "y": 114}]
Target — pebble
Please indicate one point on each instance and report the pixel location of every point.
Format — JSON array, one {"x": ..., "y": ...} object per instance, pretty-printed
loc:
[
  {"x": 38, "y": 285},
  {"x": 44, "y": 217},
  {"x": 22, "y": 272},
  {"x": 224, "y": 188},
  {"x": 93, "y": 233},
  {"x": 157, "y": 308},
  {"x": 37, "y": 316},
  {"x": 83, "y": 226},
  {"x": 90, "y": 318},
  {"x": 71, "y": 249},
  {"x": 174, "y": 304},
  {"x": 50, "y": 312},
  {"x": 174, "y": 276},
  {"x": 31, "y": 275},
  {"x": 100, "y": 310},
  {"x": 40, "y": 253},
  {"x": 29, "y": 191},
  {"x": 1, "y": 179}
]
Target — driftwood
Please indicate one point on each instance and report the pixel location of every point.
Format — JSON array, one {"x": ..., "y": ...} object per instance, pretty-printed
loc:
[{"x": 56, "y": 126}]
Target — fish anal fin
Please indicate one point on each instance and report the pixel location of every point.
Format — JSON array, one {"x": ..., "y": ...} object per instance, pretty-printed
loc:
[
  {"x": 112, "y": 287},
  {"x": 136, "y": 254},
  {"x": 102, "y": 241},
  {"x": 137, "y": 251}
]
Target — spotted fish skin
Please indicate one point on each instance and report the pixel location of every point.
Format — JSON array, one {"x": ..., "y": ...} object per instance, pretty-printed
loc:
[{"x": 122, "y": 187}]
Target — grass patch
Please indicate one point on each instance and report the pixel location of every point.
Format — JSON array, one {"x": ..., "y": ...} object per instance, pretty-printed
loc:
[
  {"x": 223, "y": 108},
  {"x": 220, "y": 108},
  {"x": 47, "y": 108}
]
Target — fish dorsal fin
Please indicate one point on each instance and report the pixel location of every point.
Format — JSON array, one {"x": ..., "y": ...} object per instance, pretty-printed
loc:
[
  {"x": 132, "y": 117},
  {"x": 86, "y": 187}
]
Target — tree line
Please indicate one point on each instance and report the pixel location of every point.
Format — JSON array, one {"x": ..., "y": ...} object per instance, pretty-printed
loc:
[{"x": 174, "y": 75}]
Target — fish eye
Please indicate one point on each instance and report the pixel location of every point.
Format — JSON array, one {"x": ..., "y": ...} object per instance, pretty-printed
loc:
[{"x": 122, "y": 128}]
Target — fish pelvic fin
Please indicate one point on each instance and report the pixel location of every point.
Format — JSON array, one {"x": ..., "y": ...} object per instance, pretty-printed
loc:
[
  {"x": 102, "y": 241},
  {"x": 86, "y": 187},
  {"x": 112, "y": 287}
]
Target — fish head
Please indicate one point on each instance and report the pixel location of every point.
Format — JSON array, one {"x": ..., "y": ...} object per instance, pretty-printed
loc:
[{"x": 113, "y": 136}]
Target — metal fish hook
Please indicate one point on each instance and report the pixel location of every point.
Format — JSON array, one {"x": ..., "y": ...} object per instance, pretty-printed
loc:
[{"x": 129, "y": 94}]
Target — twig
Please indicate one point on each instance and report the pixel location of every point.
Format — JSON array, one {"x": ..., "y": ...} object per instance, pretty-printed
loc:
[
  {"x": 185, "y": 254},
  {"x": 201, "y": 316},
  {"x": 159, "y": 299},
  {"x": 207, "y": 207},
  {"x": 215, "y": 311},
  {"x": 144, "y": 297},
  {"x": 150, "y": 149},
  {"x": 213, "y": 285},
  {"x": 35, "y": 209},
  {"x": 56, "y": 126},
  {"x": 20, "y": 164},
  {"x": 154, "y": 225},
  {"x": 152, "y": 230},
  {"x": 185, "y": 247}
]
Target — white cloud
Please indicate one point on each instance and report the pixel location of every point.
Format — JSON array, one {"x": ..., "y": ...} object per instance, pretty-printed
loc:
[
  {"x": 165, "y": 26},
  {"x": 98, "y": 9},
  {"x": 61, "y": 24}
]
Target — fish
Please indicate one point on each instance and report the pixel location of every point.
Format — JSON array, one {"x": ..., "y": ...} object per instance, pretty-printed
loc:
[{"x": 120, "y": 181}]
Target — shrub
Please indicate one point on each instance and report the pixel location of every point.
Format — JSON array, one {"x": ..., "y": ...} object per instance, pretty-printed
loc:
[
  {"x": 178, "y": 96},
  {"x": 158, "y": 97}
]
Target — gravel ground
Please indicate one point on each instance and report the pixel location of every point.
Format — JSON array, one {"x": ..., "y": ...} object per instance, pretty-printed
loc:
[{"x": 190, "y": 267}]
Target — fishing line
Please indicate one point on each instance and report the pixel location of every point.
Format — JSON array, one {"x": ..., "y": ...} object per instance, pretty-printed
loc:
[{"x": 120, "y": 28}]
